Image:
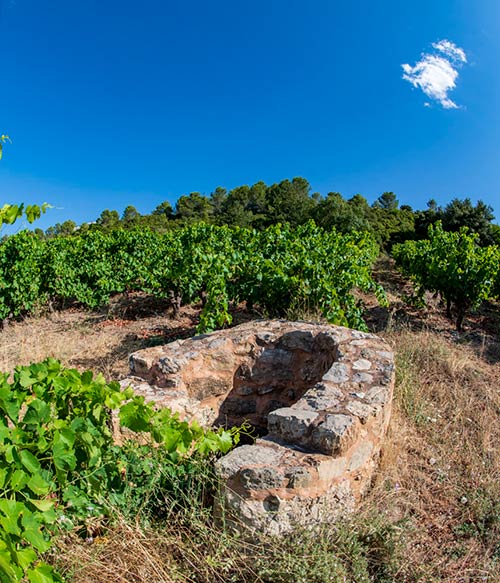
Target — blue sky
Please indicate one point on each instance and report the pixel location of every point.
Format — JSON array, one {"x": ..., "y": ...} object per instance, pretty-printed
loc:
[{"x": 110, "y": 103}]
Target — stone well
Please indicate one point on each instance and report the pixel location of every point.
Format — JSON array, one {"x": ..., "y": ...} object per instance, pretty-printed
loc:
[{"x": 318, "y": 396}]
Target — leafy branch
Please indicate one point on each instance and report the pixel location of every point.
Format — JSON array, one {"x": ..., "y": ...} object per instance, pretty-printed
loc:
[{"x": 60, "y": 466}]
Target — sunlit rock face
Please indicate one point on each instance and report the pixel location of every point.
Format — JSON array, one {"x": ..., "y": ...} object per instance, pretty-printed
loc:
[{"x": 318, "y": 396}]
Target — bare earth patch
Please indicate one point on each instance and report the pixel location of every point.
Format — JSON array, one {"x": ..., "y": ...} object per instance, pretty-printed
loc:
[{"x": 87, "y": 340}]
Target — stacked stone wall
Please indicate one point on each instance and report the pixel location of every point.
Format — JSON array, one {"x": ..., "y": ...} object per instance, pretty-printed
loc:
[{"x": 319, "y": 396}]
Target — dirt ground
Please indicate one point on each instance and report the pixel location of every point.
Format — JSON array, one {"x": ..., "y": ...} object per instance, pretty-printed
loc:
[{"x": 99, "y": 341}]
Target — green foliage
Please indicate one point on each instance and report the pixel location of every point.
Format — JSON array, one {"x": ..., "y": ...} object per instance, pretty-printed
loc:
[
  {"x": 495, "y": 234},
  {"x": 278, "y": 269},
  {"x": 9, "y": 213},
  {"x": 62, "y": 229},
  {"x": 130, "y": 215},
  {"x": 387, "y": 201},
  {"x": 345, "y": 552},
  {"x": 193, "y": 208},
  {"x": 59, "y": 465},
  {"x": 289, "y": 201},
  {"x": 164, "y": 209},
  {"x": 244, "y": 206},
  {"x": 345, "y": 216},
  {"x": 453, "y": 264},
  {"x": 3, "y": 138},
  {"x": 21, "y": 262},
  {"x": 457, "y": 214},
  {"x": 108, "y": 220},
  {"x": 477, "y": 218}
]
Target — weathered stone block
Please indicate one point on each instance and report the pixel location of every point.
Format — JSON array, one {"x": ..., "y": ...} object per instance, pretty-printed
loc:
[
  {"x": 261, "y": 478},
  {"x": 235, "y": 406},
  {"x": 360, "y": 455},
  {"x": 331, "y": 468},
  {"x": 201, "y": 388},
  {"x": 289, "y": 424},
  {"x": 338, "y": 373},
  {"x": 299, "y": 477},
  {"x": 169, "y": 365},
  {"x": 361, "y": 364},
  {"x": 361, "y": 410},
  {"x": 330, "y": 436},
  {"x": 322, "y": 397},
  {"x": 271, "y": 405},
  {"x": 362, "y": 377},
  {"x": 377, "y": 395},
  {"x": 247, "y": 456},
  {"x": 297, "y": 340}
]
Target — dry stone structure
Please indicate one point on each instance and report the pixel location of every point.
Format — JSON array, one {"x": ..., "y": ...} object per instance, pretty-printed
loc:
[{"x": 318, "y": 396}]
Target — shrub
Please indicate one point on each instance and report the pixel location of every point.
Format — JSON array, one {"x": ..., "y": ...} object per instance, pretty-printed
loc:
[{"x": 59, "y": 465}]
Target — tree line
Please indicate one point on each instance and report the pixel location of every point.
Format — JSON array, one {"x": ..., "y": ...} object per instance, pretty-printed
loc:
[{"x": 291, "y": 201}]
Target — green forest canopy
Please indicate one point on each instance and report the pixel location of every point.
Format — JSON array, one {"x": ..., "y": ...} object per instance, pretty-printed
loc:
[{"x": 291, "y": 201}]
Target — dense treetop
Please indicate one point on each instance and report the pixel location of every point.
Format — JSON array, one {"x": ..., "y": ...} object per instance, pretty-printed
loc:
[{"x": 291, "y": 201}]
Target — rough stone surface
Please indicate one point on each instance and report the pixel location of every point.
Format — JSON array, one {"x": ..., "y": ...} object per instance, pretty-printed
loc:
[{"x": 319, "y": 395}]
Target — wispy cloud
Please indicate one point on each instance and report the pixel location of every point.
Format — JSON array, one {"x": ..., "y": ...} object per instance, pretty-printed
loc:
[{"x": 437, "y": 71}]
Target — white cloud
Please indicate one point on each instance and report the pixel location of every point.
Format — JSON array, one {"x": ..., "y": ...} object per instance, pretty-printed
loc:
[
  {"x": 436, "y": 73},
  {"x": 451, "y": 50}
]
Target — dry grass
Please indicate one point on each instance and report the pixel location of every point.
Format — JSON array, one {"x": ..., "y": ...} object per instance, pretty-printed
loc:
[
  {"x": 438, "y": 483},
  {"x": 198, "y": 552},
  {"x": 441, "y": 462},
  {"x": 134, "y": 553},
  {"x": 86, "y": 340},
  {"x": 127, "y": 553}
]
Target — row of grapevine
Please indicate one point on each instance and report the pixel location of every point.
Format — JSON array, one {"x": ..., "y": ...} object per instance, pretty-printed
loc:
[
  {"x": 453, "y": 265},
  {"x": 278, "y": 269}
]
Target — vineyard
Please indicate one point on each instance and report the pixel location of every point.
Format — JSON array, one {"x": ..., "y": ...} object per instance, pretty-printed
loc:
[
  {"x": 64, "y": 479},
  {"x": 453, "y": 265},
  {"x": 253, "y": 334},
  {"x": 278, "y": 270},
  {"x": 59, "y": 467}
]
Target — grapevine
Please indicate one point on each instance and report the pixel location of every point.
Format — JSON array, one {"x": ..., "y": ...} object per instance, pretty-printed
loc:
[
  {"x": 453, "y": 265},
  {"x": 277, "y": 269}
]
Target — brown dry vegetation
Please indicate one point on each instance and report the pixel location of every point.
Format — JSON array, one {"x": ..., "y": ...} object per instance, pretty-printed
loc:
[
  {"x": 441, "y": 465},
  {"x": 437, "y": 492},
  {"x": 97, "y": 341}
]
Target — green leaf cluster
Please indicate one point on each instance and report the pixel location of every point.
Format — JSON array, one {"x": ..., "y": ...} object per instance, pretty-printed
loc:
[
  {"x": 3, "y": 138},
  {"x": 9, "y": 213},
  {"x": 60, "y": 465},
  {"x": 453, "y": 265}
]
